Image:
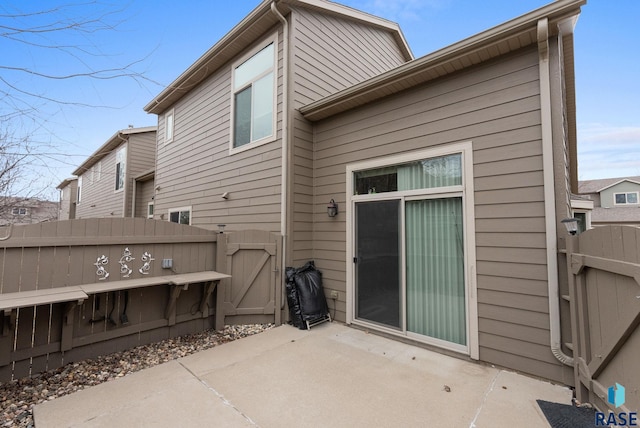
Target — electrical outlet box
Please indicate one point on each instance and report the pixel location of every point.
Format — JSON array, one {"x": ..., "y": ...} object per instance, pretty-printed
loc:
[
  {"x": 334, "y": 294},
  {"x": 167, "y": 263}
]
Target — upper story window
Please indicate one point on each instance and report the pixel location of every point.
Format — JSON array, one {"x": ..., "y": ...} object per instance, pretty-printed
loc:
[
  {"x": 627, "y": 198},
  {"x": 120, "y": 167},
  {"x": 98, "y": 171},
  {"x": 168, "y": 127},
  {"x": 254, "y": 96},
  {"x": 19, "y": 211}
]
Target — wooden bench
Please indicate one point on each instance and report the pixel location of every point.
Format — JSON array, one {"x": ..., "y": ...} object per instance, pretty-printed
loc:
[{"x": 75, "y": 295}]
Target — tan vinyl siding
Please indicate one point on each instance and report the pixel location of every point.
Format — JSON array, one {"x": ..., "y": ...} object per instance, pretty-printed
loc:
[
  {"x": 328, "y": 54},
  {"x": 497, "y": 107},
  {"x": 333, "y": 53},
  {"x": 144, "y": 195},
  {"x": 99, "y": 197},
  {"x": 141, "y": 157},
  {"x": 195, "y": 169},
  {"x": 67, "y": 209}
]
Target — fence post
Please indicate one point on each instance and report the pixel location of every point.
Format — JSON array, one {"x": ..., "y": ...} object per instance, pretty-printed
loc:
[
  {"x": 577, "y": 322},
  {"x": 221, "y": 266}
]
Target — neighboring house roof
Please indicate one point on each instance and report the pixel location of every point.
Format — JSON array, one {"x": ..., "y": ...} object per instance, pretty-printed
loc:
[
  {"x": 247, "y": 31},
  {"x": 597, "y": 186},
  {"x": 507, "y": 37},
  {"x": 616, "y": 215},
  {"x": 113, "y": 142},
  {"x": 66, "y": 182}
]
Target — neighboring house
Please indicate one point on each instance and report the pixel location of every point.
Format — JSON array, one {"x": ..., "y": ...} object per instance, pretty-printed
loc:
[
  {"x": 68, "y": 193},
  {"x": 106, "y": 180},
  {"x": 451, "y": 172},
  {"x": 616, "y": 200},
  {"x": 15, "y": 210}
]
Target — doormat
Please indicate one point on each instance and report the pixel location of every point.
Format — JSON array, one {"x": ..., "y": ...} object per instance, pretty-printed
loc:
[{"x": 567, "y": 415}]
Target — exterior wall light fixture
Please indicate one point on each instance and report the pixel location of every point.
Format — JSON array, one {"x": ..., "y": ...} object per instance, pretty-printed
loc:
[
  {"x": 571, "y": 224},
  {"x": 332, "y": 208}
]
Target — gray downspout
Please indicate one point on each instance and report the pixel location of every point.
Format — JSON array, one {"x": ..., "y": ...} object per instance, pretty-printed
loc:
[
  {"x": 285, "y": 140},
  {"x": 549, "y": 194}
]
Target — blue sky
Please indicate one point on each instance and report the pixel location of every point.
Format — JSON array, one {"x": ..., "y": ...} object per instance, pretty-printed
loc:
[{"x": 168, "y": 39}]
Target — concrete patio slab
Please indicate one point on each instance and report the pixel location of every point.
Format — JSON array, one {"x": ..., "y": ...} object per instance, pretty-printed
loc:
[{"x": 333, "y": 375}]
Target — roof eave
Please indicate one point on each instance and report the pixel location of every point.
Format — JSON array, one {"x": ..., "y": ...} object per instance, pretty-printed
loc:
[
  {"x": 382, "y": 85},
  {"x": 66, "y": 182},
  {"x": 225, "y": 49},
  {"x": 114, "y": 141},
  {"x": 616, "y": 183},
  {"x": 191, "y": 76}
]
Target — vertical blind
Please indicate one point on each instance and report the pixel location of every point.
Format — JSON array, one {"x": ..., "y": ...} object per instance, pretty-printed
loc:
[{"x": 435, "y": 273}]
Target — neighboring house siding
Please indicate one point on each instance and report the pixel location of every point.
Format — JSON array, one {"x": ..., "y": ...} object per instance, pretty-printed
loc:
[
  {"x": 98, "y": 198},
  {"x": 607, "y": 195},
  {"x": 144, "y": 195},
  {"x": 497, "y": 107},
  {"x": 140, "y": 158},
  {"x": 195, "y": 169},
  {"x": 67, "y": 209},
  {"x": 328, "y": 54}
]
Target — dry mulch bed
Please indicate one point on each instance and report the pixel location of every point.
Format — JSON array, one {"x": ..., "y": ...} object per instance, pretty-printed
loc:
[{"x": 18, "y": 397}]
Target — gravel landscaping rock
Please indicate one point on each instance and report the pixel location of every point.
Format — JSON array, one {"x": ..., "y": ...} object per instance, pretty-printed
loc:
[{"x": 18, "y": 397}]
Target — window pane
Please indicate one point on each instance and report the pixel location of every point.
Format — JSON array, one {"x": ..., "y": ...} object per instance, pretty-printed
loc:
[
  {"x": 169, "y": 127},
  {"x": 174, "y": 216},
  {"x": 442, "y": 171},
  {"x": 184, "y": 217},
  {"x": 435, "y": 269},
  {"x": 621, "y": 198},
  {"x": 378, "y": 180},
  {"x": 582, "y": 221},
  {"x": 251, "y": 68},
  {"x": 242, "y": 115},
  {"x": 436, "y": 172},
  {"x": 632, "y": 198},
  {"x": 262, "y": 107},
  {"x": 378, "y": 273}
]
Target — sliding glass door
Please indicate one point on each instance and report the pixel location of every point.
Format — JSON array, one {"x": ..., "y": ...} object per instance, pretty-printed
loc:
[{"x": 409, "y": 249}]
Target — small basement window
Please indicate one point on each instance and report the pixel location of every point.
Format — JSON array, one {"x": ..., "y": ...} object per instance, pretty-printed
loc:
[{"x": 180, "y": 215}]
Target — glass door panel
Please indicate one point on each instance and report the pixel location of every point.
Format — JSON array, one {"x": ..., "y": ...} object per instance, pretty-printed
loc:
[
  {"x": 435, "y": 269},
  {"x": 378, "y": 282}
]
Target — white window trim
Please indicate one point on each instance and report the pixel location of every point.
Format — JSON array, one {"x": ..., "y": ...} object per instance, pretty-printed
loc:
[
  {"x": 151, "y": 204},
  {"x": 263, "y": 44},
  {"x": 466, "y": 191},
  {"x": 124, "y": 161},
  {"x": 179, "y": 209},
  {"x": 172, "y": 115},
  {"x": 625, "y": 197},
  {"x": 98, "y": 171},
  {"x": 79, "y": 191}
]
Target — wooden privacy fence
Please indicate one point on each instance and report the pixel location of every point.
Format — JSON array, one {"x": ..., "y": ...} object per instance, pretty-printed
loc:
[
  {"x": 604, "y": 285},
  {"x": 76, "y": 289}
]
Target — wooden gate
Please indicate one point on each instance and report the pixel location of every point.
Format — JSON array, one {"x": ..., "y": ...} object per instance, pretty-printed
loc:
[
  {"x": 604, "y": 284},
  {"x": 254, "y": 292}
]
